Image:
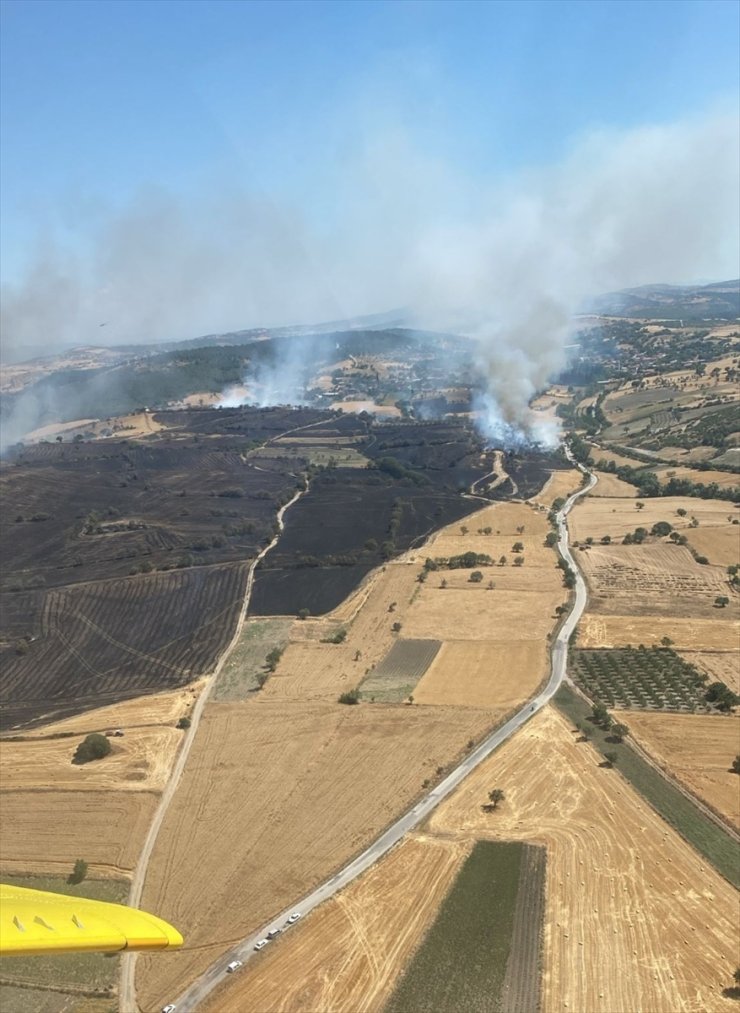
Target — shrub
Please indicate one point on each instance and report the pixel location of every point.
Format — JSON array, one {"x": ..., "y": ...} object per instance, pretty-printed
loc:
[
  {"x": 78, "y": 873},
  {"x": 475, "y": 577},
  {"x": 351, "y": 697},
  {"x": 93, "y": 747},
  {"x": 184, "y": 722},
  {"x": 304, "y": 613}
]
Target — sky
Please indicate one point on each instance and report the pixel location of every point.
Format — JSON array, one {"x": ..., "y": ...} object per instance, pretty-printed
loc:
[{"x": 124, "y": 123}]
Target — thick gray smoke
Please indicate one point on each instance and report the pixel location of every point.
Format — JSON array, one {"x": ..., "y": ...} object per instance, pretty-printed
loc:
[{"x": 509, "y": 264}]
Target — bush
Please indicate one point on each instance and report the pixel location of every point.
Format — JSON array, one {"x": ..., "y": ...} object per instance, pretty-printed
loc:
[
  {"x": 93, "y": 747},
  {"x": 352, "y": 697},
  {"x": 475, "y": 577},
  {"x": 184, "y": 722},
  {"x": 78, "y": 873}
]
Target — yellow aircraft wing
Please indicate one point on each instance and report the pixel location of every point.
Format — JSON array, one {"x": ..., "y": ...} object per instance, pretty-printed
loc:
[{"x": 34, "y": 921}]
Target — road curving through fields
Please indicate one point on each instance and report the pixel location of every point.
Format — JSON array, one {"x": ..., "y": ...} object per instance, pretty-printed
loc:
[
  {"x": 200, "y": 989},
  {"x": 127, "y": 988}
]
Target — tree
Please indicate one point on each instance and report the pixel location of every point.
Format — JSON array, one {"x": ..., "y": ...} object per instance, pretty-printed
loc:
[
  {"x": 421, "y": 577},
  {"x": 396, "y": 627},
  {"x": 681, "y": 512},
  {"x": 352, "y": 697},
  {"x": 661, "y": 529},
  {"x": 273, "y": 658},
  {"x": 721, "y": 600},
  {"x": 666, "y": 641},
  {"x": 736, "y": 765},
  {"x": 491, "y": 585},
  {"x": 304, "y": 613},
  {"x": 517, "y": 547},
  {"x": 599, "y": 713},
  {"x": 184, "y": 722},
  {"x": 611, "y": 757},
  {"x": 639, "y": 505},
  {"x": 495, "y": 796},
  {"x": 475, "y": 577},
  {"x": 502, "y": 561},
  {"x": 721, "y": 696},
  {"x": 606, "y": 539},
  {"x": 443, "y": 583},
  {"x": 262, "y": 678},
  {"x": 619, "y": 731},
  {"x": 518, "y": 560},
  {"x": 487, "y": 530},
  {"x": 463, "y": 529},
  {"x": 93, "y": 747},
  {"x": 551, "y": 539},
  {"x": 78, "y": 872}
]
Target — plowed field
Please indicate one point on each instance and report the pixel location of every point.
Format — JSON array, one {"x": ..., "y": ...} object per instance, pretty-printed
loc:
[
  {"x": 349, "y": 953},
  {"x": 634, "y": 919},
  {"x": 697, "y": 750},
  {"x": 484, "y": 674},
  {"x": 686, "y": 634},
  {"x": 275, "y": 796}
]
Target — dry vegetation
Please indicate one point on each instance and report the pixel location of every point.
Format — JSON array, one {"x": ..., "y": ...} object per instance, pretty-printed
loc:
[
  {"x": 634, "y": 919},
  {"x": 560, "y": 485},
  {"x": 485, "y": 674},
  {"x": 596, "y": 517},
  {"x": 348, "y": 955},
  {"x": 719, "y": 545},
  {"x": 720, "y": 667},
  {"x": 275, "y": 797},
  {"x": 686, "y": 634},
  {"x": 612, "y": 487},
  {"x": 697, "y": 750}
]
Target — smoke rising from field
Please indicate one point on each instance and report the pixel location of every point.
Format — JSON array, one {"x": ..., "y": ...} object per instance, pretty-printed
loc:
[{"x": 508, "y": 265}]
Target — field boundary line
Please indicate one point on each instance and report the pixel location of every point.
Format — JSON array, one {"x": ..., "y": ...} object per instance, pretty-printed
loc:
[{"x": 127, "y": 990}]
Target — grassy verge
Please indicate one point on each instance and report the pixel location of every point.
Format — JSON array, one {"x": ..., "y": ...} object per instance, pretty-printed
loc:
[
  {"x": 90, "y": 971},
  {"x": 709, "y": 839},
  {"x": 461, "y": 963},
  {"x": 238, "y": 677}
]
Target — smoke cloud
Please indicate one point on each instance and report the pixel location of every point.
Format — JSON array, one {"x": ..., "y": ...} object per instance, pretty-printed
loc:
[{"x": 505, "y": 262}]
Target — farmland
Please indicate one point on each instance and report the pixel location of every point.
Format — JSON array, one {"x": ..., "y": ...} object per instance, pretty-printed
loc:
[
  {"x": 697, "y": 751},
  {"x": 719, "y": 545},
  {"x": 686, "y": 634},
  {"x": 347, "y": 955},
  {"x": 301, "y": 813},
  {"x": 396, "y": 676},
  {"x": 720, "y": 667},
  {"x": 615, "y": 936},
  {"x": 462, "y": 961},
  {"x": 655, "y": 578},
  {"x": 594, "y": 517},
  {"x": 645, "y": 678}
]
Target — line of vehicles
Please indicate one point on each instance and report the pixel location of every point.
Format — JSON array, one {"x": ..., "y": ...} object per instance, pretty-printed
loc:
[{"x": 234, "y": 965}]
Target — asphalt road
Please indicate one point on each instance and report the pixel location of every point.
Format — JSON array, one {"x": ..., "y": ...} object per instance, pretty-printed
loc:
[{"x": 189, "y": 1001}]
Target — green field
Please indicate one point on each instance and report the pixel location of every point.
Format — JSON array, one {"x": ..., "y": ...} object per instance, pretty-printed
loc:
[
  {"x": 238, "y": 677},
  {"x": 653, "y": 678},
  {"x": 90, "y": 971},
  {"x": 395, "y": 677},
  {"x": 461, "y": 964},
  {"x": 676, "y": 808}
]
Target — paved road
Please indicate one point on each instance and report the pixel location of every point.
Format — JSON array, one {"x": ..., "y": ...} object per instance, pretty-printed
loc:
[
  {"x": 214, "y": 975},
  {"x": 127, "y": 988}
]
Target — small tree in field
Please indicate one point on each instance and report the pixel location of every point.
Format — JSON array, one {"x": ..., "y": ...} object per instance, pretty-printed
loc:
[
  {"x": 721, "y": 601},
  {"x": 496, "y": 796},
  {"x": 304, "y": 613},
  {"x": 619, "y": 731},
  {"x": 93, "y": 747},
  {"x": 78, "y": 873},
  {"x": 475, "y": 577},
  {"x": 736, "y": 765},
  {"x": 611, "y": 758}
]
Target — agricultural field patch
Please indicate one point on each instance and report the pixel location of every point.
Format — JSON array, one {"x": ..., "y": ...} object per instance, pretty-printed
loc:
[
  {"x": 648, "y": 678},
  {"x": 660, "y": 579},
  {"x": 90, "y": 971},
  {"x": 698, "y": 751},
  {"x": 616, "y": 517},
  {"x": 611, "y": 457},
  {"x": 496, "y": 676},
  {"x": 304, "y": 804},
  {"x": 685, "y": 634},
  {"x": 724, "y": 479},
  {"x": 247, "y": 660},
  {"x": 612, "y": 487},
  {"x": 719, "y": 666},
  {"x": 112, "y": 640},
  {"x": 626, "y": 897},
  {"x": 44, "y": 831},
  {"x": 473, "y": 612},
  {"x": 719, "y": 545},
  {"x": 395, "y": 677},
  {"x": 559, "y": 485},
  {"x": 348, "y": 954},
  {"x": 462, "y": 961}
]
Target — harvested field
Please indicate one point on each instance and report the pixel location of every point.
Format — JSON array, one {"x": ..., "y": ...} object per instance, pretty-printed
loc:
[
  {"x": 44, "y": 831},
  {"x": 615, "y": 517},
  {"x": 723, "y": 667},
  {"x": 655, "y": 578},
  {"x": 724, "y": 479},
  {"x": 697, "y": 750},
  {"x": 348, "y": 954},
  {"x": 686, "y": 634},
  {"x": 472, "y": 612},
  {"x": 624, "y": 908},
  {"x": 395, "y": 678},
  {"x": 612, "y": 487},
  {"x": 385, "y": 411},
  {"x": 719, "y": 545},
  {"x": 559, "y": 486},
  {"x": 461, "y": 964},
  {"x": 610, "y": 456},
  {"x": 311, "y": 805},
  {"x": 496, "y": 676},
  {"x": 140, "y": 761}
]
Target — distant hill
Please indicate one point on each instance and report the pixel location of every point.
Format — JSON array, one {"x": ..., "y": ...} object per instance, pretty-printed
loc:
[{"x": 718, "y": 301}]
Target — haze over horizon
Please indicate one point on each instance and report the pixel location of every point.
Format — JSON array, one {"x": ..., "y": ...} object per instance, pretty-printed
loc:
[{"x": 172, "y": 170}]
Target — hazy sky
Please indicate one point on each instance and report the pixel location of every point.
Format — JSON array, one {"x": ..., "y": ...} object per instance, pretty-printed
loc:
[{"x": 153, "y": 128}]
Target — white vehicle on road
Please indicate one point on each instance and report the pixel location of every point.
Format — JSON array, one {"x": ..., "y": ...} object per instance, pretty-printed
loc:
[
  {"x": 262, "y": 943},
  {"x": 293, "y": 918},
  {"x": 234, "y": 965},
  {"x": 169, "y": 1008}
]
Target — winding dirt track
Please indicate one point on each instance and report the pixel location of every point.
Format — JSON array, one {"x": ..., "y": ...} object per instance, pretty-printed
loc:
[{"x": 127, "y": 989}]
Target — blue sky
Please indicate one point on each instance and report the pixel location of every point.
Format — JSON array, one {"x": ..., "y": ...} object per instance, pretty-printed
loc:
[{"x": 100, "y": 99}]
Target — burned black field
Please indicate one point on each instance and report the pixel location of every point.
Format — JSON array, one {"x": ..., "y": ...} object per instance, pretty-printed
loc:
[{"x": 125, "y": 561}]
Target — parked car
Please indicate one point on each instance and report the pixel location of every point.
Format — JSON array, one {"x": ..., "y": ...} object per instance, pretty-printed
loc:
[
  {"x": 234, "y": 965},
  {"x": 261, "y": 943}
]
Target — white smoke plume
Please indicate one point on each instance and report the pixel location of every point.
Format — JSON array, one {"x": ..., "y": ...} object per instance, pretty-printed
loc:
[{"x": 505, "y": 262}]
